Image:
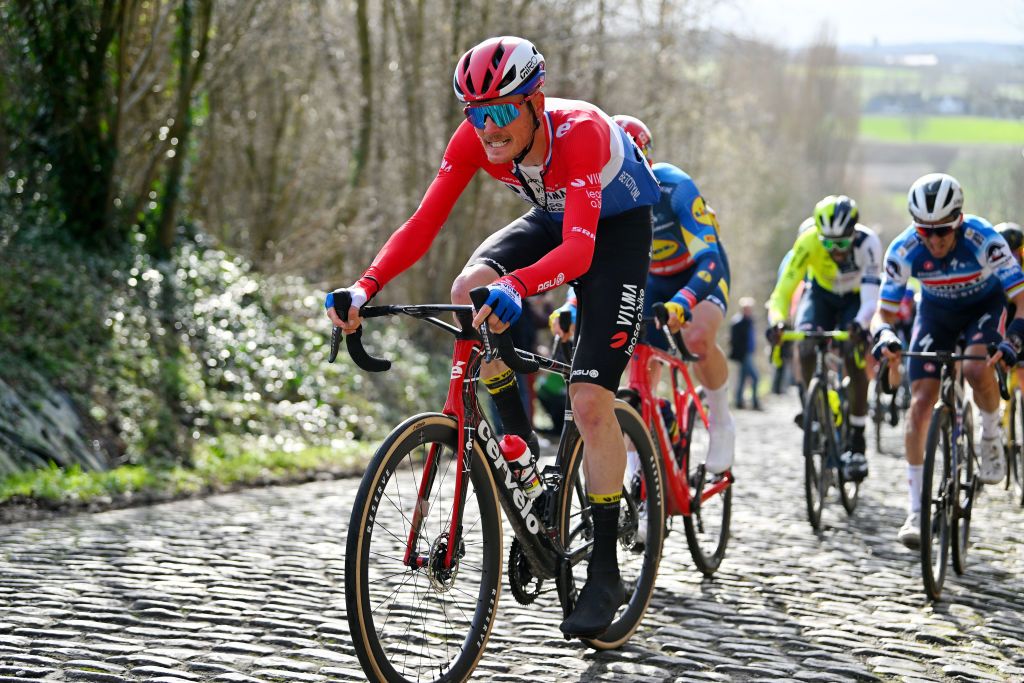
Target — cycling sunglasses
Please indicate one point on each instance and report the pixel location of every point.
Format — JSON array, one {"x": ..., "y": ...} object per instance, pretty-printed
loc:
[
  {"x": 836, "y": 244},
  {"x": 501, "y": 114},
  {"x": 935, "y": 230}
]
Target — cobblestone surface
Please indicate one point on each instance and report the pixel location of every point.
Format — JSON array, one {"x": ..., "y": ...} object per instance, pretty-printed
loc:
[{"x": 249, "y": 587}]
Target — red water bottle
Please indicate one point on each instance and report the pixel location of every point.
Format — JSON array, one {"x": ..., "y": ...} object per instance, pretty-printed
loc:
[{"x": 521, "y": 462}]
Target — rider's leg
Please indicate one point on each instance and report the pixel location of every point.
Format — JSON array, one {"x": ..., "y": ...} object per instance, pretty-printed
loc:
[
  {"x": 923, "y": 394},
  {"x": 611, "y": 298},
  {"x": 982, "y": 331},
  {"x": 713, "y": 372},
  {"x": 856, "y": 464},
  {"x": 498, "y": 378},
  {"x": 520, "y": 243},
  {"x": 982, "y": 379}
]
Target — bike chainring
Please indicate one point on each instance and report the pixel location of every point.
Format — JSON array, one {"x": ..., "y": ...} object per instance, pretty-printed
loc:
[{"x": 525, "y": 586}]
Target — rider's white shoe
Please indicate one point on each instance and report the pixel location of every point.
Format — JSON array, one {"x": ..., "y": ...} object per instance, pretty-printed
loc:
[
  {"x": 993, "y": 460},
  {"x": 910, "y": 533},
  {"x": 722, "y": 446}
]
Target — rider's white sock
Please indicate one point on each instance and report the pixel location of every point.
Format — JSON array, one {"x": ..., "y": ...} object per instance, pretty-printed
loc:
[
  {"x": 915, "y": 473},
  {"x": 989, "y": 423},
  {"x": 718, "y": 403}
]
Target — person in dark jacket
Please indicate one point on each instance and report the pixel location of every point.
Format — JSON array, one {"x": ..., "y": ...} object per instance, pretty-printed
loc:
[{"x": 741, "y": 350}]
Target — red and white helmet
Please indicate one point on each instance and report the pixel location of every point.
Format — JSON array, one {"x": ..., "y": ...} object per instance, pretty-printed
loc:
[
  {"x": 498, "y": 67},
  {"x": 637, "y": 130}
]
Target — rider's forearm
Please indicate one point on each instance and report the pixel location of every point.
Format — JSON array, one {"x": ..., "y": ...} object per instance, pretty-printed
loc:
[{"x": 708, "y": 271}]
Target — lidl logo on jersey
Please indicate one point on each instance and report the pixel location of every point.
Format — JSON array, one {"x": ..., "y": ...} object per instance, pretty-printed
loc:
[{"x": 662, "y": 249}]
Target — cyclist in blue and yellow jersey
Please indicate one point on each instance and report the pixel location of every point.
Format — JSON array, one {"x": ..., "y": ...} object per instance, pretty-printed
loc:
[
  {"x": 842, "y": 260},
  {"x": 967, "y": 273},
  {"x": 690, "y": 275}
]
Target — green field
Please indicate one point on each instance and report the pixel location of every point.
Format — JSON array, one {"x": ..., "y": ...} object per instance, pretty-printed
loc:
[{"x": 954, "y": 130}]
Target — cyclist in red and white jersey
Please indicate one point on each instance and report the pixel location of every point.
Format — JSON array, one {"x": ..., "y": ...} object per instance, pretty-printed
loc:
[{"x": 591, "y": 193}]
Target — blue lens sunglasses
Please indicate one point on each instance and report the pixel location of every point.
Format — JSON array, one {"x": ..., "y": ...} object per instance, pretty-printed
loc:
[{"x": 501, "y": 114}]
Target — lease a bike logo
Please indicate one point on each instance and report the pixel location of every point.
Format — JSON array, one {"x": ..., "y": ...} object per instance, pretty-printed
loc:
[{"x": 619, "y": 340}]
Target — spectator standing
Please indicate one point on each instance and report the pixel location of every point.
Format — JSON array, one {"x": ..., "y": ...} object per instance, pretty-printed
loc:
[{"x": 741, "y": 350}]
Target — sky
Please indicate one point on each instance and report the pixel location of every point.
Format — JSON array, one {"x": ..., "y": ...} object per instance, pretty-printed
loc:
[{"x": 795, "y": 23}]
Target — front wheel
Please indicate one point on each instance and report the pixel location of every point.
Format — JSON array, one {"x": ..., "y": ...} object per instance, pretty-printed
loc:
[
  {"x": 1018, "y": 454},
  {"x": 817, "y": 449},
  {"x": 965, "y": 489},
  {"x": 937, "y": 516},
  {"x": 413, "y": 616},
  {"x": 849, "y": 489},
  {"x": 707, "y": 527},
  {"x": 641, "y": 527}
]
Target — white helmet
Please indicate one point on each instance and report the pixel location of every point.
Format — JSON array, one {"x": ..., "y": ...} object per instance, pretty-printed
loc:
[{"x": 935, "y": 199}]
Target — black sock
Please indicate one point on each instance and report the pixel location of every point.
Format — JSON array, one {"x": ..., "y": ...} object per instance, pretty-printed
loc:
[
  {"x": 605, "y": 509},
  {"x": 504, "y": 391}
]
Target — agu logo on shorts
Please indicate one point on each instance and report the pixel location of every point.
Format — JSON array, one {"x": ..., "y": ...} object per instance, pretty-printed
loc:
[{"x": 619, "y": 340}]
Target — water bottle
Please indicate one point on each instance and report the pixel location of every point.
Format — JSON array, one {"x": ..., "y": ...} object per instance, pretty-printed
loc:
[
  {"x": 834, "y": 403},
  {"x": 521, "y": 463}
]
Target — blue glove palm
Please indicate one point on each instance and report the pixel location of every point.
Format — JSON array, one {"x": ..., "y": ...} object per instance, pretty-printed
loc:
[
  {"x": 505, "y": 301},
  {"x": 1009, "y": 352}
]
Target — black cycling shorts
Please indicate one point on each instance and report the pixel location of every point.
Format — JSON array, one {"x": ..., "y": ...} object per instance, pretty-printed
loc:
[{"x": 610, "y": 294}]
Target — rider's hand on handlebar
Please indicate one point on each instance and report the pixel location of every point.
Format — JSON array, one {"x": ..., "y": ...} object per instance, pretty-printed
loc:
[
  {"x": 678, "y": 314},
  {"x": 887, "y": 344},
  {"x": 503, "y": 307},
  {"x": 1007, "y": 352},
  {"x": 359, "y": 298},
  {"x": 774, "y": 333}
]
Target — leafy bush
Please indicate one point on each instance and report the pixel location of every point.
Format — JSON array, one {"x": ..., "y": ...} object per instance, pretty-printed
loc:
[{"x": 197, "y": 351}]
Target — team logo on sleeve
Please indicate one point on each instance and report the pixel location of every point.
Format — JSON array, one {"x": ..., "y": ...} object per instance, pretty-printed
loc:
[
  {"x": 446, "y": 167},
  {"x": 892, "y": 269},
  {"x": 701, "y": 213},
  {"x": 996, "y": 253}
]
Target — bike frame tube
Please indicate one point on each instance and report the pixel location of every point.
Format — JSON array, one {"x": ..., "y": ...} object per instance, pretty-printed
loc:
[{"x": 679, "y": 498}]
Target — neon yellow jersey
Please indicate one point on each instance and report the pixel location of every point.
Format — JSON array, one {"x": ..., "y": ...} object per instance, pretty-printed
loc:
[{"x": 861, "y": 269}]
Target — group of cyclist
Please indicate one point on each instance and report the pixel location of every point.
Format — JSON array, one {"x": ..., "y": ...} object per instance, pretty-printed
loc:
[
  {"x": 970, "y": 283},
  {"x": 628, "y": 232}
]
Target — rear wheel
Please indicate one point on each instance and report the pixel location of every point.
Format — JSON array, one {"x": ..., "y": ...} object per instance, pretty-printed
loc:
[
  {"x": 641, "y": 528},
  {"x": 817, "y": 448},
  {"x": 422, "y": 621},
  {"x": 937, "y": 518},
  {"x": 707, "y": 527}
]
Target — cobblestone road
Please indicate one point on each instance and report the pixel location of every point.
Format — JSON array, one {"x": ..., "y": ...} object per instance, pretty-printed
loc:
[{"x": 249, "y": 586}]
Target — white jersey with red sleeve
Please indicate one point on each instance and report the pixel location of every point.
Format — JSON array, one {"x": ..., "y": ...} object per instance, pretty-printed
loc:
[{"x": 592, "y": 170}]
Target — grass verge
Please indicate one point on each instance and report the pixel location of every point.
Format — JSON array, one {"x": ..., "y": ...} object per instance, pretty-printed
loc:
[
  {"x": 55, "y": 490},
  {"x": 942, "y": 129}
]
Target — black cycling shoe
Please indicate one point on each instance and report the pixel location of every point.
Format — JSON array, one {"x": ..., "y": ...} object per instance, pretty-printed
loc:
[
  {"x": 798, "y": 420},
  {"x": 855, "y": 466},
  {"x": 601, "y": 596}
]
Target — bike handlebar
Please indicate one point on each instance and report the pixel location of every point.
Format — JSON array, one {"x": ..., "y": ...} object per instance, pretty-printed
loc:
[
  {"x": 951, "y": 357},
  {"x": 353, "y": 340}
]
